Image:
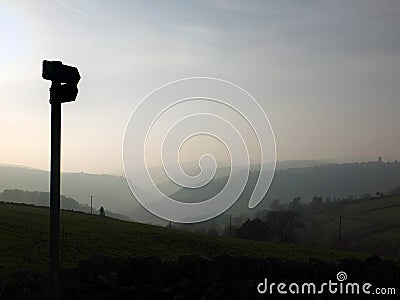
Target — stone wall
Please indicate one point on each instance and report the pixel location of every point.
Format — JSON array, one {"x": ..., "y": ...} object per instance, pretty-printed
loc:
[{"x": 194, "y": 277}]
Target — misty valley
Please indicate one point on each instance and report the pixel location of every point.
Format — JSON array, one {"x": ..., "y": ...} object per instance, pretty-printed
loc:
[{"x": 327, "y": 211}]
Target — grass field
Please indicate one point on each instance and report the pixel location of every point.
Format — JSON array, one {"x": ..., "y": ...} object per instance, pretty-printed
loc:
[
  {"x": 24, "y": 238},
  {"x": 365, "y": 221}
]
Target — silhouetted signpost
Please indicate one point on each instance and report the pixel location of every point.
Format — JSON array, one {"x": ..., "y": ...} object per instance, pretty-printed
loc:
[{"x": 64, "y": 80}]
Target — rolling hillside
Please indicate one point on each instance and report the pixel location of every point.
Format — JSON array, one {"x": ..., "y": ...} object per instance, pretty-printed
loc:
[
  {"x": 331, "y": 180},
  {"x": 370, "y": 223},
  {"x": 112, "y": 192},
  {"x": 43, "y": 199},
  {"x": 24, "y": 235},
  {"x": 294, "y": 179}
]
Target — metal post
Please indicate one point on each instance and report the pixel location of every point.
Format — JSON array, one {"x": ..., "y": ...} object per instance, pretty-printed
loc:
[
  {"x": 55, "y": 197},
  {"x": 91, "y": 205},
  {"x": 68, "y": 76},
  {"x": 340, "y": 231},
  {"x": 230, "y": 225}
]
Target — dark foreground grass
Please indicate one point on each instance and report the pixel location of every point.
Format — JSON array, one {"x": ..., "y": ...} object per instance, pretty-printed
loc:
[{"x": 24, "y": 236}]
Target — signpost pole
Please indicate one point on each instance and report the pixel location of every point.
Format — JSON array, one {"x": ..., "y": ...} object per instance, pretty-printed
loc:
[
  {"x": 55, "y": 194},
  {"x": 64, "y": 80}
]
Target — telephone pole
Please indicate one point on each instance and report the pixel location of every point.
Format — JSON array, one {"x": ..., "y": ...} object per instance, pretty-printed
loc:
[
  {"x": 340, "y": 231},
  {"x": 91, "y": 205},
  {"x": 230, "y": 225}
]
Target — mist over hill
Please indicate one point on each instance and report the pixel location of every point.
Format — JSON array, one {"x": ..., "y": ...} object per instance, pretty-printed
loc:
[
  {"x": 109, "y": 191},
  {"x": 292, "y": 179},
  {"x": 329, "y": 180}
]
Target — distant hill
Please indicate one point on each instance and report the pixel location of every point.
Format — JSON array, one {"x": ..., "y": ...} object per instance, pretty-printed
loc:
[
  {"x": 43, "y": 198},
  {"x": 335, "y": 180},
  {"x": 112, "y": 192},
  {"x": 321, "y": 178},
  {"x": 290, "y": 164},
  {"x": 329, "y": 180}
]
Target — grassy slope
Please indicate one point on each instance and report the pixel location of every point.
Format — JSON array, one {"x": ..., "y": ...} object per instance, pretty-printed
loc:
[
  {"x": 86, "y": 235},
  {"x": 375, "y": 218}
]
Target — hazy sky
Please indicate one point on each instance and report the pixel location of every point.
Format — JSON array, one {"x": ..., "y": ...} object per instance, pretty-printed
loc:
[{"x": 327, "y": 73}]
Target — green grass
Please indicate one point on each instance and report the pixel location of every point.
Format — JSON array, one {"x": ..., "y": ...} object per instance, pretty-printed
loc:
[
  {"x": 366, "y": 220},
  {"x": 386, "y": 209},
  {"x": 24, "y": 232}
]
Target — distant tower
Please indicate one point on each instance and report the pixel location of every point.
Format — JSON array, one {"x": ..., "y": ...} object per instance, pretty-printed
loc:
[{"x": 380, "y": 159}]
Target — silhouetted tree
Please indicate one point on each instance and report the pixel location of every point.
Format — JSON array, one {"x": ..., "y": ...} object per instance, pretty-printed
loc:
[
  {"x": 254, "y": 230},
  {"x": 102, "y": 212},
  {"x": 275, "y": 204},
  {"x": 283, "y": 223},
  {"x": 297, "y": 206},
  {"x": 316, "y": 203}
]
